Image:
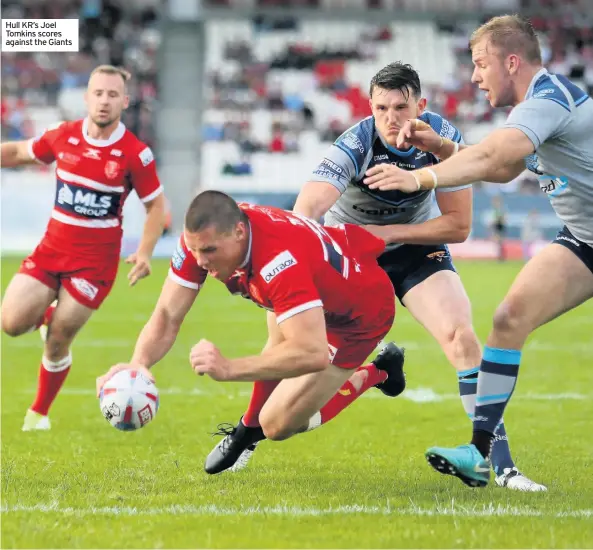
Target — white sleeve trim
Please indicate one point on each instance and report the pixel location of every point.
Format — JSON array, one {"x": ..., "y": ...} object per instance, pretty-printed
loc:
[
  {"x": 31, "y": 153},
  {"x": 180, "y": 281},
  {"x": 153, "y": 195},
  {"x": 452, "y": 189},
  {"x": 298, "y": 309}
]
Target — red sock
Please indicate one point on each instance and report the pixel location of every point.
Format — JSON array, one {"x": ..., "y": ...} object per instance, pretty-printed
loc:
[
  {"x": 51, "y": 377},
  {"x": 262, "y": 389},
  {"x": 370, "y": 376},
  {"x": 46, "y": 319}
]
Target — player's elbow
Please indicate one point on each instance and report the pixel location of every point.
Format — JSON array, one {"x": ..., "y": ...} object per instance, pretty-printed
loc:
[
  {"x": 319, "y": 361},
  {"x": 308, "y": 209},
  {"x": 315, "y": 360},
  {"x": 462, "y": 231},
  {"x": 315, "y": 199},
  {"x": 157, "y": 208},
  {"x": 166, "y": 322}
]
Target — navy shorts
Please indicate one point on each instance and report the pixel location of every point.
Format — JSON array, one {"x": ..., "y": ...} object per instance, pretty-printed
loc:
[
  {"x": 410, "y": 264},
  {"x": 582, "y": 250}
]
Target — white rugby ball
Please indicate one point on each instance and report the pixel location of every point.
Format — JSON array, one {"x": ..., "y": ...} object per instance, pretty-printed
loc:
[{"x": 129, "y": 400}]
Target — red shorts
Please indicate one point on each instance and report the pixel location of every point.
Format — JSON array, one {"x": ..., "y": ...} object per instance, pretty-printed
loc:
[
  {"x": 350, "y": 346},
  {"x": 87, "y": 281}
]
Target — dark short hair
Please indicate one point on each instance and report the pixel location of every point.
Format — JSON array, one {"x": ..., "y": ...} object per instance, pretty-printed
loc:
[
  {"x": 397, "y": 76},
  {"x": 213, "y": 208}
]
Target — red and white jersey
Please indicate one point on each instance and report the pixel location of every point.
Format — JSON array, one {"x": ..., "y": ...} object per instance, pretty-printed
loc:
[
  {"x": 94, "y": 178},
  {"x": 295, "y": 264}
]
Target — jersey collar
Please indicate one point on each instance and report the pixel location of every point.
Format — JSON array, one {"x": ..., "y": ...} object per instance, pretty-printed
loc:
[
  {"x": 115, "y": 136},
  {"x": 248, "y": 255},
  {"x": 534, "y": 80}
]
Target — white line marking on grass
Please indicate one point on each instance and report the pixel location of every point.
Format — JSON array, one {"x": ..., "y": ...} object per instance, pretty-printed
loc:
[
  {"x": 418, "y": 395},
  {"x": 486, "y": 510}
]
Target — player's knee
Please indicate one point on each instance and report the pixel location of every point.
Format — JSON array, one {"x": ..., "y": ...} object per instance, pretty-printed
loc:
[
  {"x": 509, "y": 317},
  {"x": 275, "y": 429},
  {"x": 12, "y": 325},
  {"x": 461, "y": 344},
  {"x": 9, "y": 327},
  {"x": 465, "y": 340},
  {"x": 276, "y": 433}
]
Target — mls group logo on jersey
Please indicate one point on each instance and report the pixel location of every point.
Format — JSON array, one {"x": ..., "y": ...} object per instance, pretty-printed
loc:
[
  {"x": 86, "y": 203},
  {"x": 283, "y": 261}
]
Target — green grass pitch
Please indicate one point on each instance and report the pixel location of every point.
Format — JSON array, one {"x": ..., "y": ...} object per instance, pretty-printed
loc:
[{"x": 360, "y": 481}]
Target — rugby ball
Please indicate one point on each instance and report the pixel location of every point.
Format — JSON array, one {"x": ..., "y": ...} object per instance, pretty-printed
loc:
[{"x": 129, "y": 400}]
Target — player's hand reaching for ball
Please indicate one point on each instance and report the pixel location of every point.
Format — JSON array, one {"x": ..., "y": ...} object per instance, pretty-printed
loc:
[
  {"x": 101, "y": 380},
  {"x": 205, "y": 358},
  {"x": 141, "y": 267},
  {"x": 417, "y": 133}
]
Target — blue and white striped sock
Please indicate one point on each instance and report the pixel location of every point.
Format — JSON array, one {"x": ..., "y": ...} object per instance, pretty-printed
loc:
[
  {"x": 501, "y": 453},
  {"x": 496, "y": 383}
]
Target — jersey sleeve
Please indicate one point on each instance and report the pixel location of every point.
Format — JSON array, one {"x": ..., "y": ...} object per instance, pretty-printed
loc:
[
  {"x": 289, "y": 286},
  {"x": 346, "y": 159},
  {"x": 336, "y": 168},
  {"x": 42, "y": 147},
  {"x": 448, "y": 131},
  {"x": 441, "y": 126},
  {"x": 144, "y": 177},
  {"x": 540, "y": 118},
  {"x": 184, "y": 269}
]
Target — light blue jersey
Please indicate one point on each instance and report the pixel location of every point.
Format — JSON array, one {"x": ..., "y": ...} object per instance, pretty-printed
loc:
[{"x": 557, "y": 116}]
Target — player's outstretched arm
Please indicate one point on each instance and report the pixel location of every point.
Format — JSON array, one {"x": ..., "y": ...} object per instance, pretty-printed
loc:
[
  {"x": 503, "y": 148},
  {"x": 153, "y": 229},
  {"x": 508, "y": 172},
  {"x": 159, "y": 333},
  {"x": 16, "y": 153},
  {"x": 315, "y": 199},
  {"x": 452, "y": 226},
  {"x": 303, "y": 350}
]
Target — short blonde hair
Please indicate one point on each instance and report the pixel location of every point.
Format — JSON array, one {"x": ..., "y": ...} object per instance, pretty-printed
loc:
[
  {"x": 510, "y": 34},
  {"x": 111, "y": 69}
]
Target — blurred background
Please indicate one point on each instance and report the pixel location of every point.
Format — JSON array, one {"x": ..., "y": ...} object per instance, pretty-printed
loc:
[{"x": 246, "y": 95}]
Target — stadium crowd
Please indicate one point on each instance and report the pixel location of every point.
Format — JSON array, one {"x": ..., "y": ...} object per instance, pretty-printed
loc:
[{"x": 111, "y": 32}]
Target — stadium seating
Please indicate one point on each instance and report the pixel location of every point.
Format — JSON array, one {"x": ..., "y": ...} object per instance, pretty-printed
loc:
[
  {"x": 292, "y": 86},
  {"x": 39, "y": 89}
]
